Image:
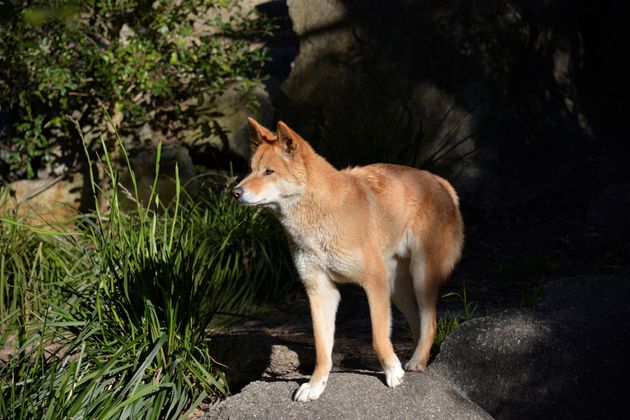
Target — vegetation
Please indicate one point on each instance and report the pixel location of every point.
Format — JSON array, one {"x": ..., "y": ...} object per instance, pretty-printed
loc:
[
  {"x": 449, "y": 321},
  {"x": 108, "y": 318},
  {"x": 154, "y": 62},
  {"x": 109, "y": 321}
]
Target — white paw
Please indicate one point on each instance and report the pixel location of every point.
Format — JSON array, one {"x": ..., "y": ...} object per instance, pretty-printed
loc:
[
  {"x": 394, "y": 375},
  {"x": 414, "y": 365},
  {"x": 309, "y": 391}
]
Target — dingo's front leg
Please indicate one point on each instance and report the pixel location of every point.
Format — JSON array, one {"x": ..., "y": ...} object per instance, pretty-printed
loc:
[{"x": 323, "y": 298}]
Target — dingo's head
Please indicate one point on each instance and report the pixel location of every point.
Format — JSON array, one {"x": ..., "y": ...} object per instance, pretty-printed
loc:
[{"x": 278, "y": 175}]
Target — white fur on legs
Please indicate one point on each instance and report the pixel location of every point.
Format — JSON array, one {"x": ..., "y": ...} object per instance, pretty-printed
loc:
[
  {"x": 394, "y": 375},
  {"x": 323, "y": 299},
  {"x": 309, "y": 391}
]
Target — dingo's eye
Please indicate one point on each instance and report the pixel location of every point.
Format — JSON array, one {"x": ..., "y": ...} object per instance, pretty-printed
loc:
[{"x": 268, "y": 171}]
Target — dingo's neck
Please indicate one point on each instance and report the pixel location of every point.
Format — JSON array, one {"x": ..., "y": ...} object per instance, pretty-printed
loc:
[{"x": 324, "y": 191}]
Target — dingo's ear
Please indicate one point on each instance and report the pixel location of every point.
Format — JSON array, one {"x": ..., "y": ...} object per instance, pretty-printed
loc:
[
  {"x": 258, "y": 133},
  {"x": 287, "y": 137}
]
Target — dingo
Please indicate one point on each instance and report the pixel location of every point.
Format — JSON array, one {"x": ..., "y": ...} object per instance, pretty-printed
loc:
[{"x": 394, "y": 230}]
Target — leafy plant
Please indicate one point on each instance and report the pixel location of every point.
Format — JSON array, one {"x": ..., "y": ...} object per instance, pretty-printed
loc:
[{"x": 145, "y": 62}]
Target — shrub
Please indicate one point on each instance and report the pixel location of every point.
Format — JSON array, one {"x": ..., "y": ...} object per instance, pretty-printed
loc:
[{"x": 143, "y": 61}]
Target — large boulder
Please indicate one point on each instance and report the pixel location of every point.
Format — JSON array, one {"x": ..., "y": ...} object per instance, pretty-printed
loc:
[
  {"x": 565, "y": 358},
  {"x": 477, "y": 91},
  {"x": 335, "y": 79}
]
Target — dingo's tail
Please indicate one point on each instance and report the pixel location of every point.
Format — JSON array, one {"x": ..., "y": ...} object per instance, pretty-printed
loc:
[{"x": 451, "y": 191}]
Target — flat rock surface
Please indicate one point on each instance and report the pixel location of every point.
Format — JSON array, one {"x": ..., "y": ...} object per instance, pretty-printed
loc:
[
  {"x": 356, "y": 395},
  {"x": 566, "y": 358}
]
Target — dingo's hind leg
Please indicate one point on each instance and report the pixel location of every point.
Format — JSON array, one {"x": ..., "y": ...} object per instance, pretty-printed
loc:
[
  {"x": 379, "y": 299},
  {"x": 404, "y": 297},
  {"x": 426, "y": 283}
]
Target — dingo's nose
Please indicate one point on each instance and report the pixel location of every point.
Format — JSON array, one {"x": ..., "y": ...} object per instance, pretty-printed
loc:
[{"x": 238, "y": 191}]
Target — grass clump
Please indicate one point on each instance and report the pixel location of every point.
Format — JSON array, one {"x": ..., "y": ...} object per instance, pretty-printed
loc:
[
  {"x": 114, "y": 325},
  {"x": 34, "y": 267},
  {"x": 449, "y": 321}
]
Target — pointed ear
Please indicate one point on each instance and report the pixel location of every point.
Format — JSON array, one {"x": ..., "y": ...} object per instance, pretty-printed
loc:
[
  {"x": 258, "y": 133},
  {"x": 287, "y": 137}
]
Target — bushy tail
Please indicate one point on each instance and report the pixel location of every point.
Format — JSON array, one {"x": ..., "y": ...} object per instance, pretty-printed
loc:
[{"x": 448, "y": 187}]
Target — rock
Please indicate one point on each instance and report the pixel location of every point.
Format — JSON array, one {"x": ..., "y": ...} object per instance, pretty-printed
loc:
[
  {"x": 566, "y": 358},
  {"x": 56, "y": 200},
  {"x": 41, "y": 202},
  {"x": 282, "y": 361},
  {"x": 608, "y": 213},
  {"x": 352, "y": 396},
  {"x": 126, "y": 35},
  {"x": 221, "y": 122},
  {"x": 335, "y": 39},
  {"x": 455, "y": 87},
  {"x": 335, "y": 42},
  {"x": 253, "y": 356}
]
